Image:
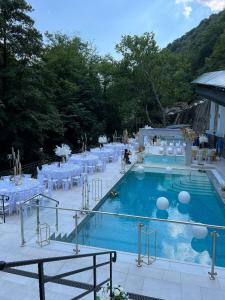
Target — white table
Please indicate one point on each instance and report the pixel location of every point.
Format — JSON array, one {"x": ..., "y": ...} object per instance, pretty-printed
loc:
[
  {"x": 66, "y": 170},
  {"x": 28, "y": 188},
  {"x": 101, "y": 152},
  {"x": 84, "y": 160},
  {"x": 118, "y": 147}
]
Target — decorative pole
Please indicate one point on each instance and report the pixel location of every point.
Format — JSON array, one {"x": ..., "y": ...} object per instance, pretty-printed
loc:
[{"x": 189, "y": 136}]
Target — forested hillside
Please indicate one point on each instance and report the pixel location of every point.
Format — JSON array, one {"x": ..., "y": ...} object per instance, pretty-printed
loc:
[
  {"x": 54, "y": 92},
  {"x": 204, "y": 45}
]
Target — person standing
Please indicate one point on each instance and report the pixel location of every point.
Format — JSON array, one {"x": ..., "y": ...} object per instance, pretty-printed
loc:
[{"x": 126, "y": 157}]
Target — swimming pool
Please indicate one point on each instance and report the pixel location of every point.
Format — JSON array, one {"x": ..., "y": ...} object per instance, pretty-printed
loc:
[
  {"x": 137, "y": 196},
  {"x": 164, "y": 159}
]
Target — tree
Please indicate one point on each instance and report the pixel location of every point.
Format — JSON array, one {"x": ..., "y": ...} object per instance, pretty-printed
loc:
[
  {"x": 216, "y": 61},
  {"x": 25, "y": 112},
  {"x": 71, "y": 75},
  {"x": 157, "y": 72},
  {"x": 19, "y": 40}
]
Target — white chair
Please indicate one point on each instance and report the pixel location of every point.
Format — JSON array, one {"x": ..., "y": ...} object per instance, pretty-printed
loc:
[
  {"x": 66, "y": 184},
  {"x": 160, "y": 150},
  {"x": 105, "y": 159},
  {"x": 170, "y": 150},
  {"x": 76, "y": 180},
  {"x": 178, "y": 151},
  {"x": 55, "y": 184},
  {"x": 111, "y": 158},
  {"x": 100, "y": 166},
  {"x": 91, "y": 169}
]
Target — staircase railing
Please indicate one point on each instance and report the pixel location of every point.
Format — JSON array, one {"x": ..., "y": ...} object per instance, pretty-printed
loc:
[
  {"x": 9, "y": 267},
  {"x": 36, "y": 200}
]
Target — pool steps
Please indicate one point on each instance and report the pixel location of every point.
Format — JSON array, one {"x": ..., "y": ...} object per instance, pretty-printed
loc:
[{"x": 195, "y": 187}]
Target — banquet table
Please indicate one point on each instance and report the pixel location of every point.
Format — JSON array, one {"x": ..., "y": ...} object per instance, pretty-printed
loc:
[
  {"x": 101, "y": 152},
  {"x": 65, "y": 170},
  {"x": 118, "y": 147},
  {"x": 28, "y": 188},
  {"x": 84, "y": 160}
]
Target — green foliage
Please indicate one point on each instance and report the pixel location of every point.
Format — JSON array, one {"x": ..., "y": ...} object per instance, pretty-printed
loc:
[
  {"x": 158, "y": 74},
  {"x": 199, "y": 43},
  {"x": 216, "y": 61},
  {"x": 55, "y": 92}
]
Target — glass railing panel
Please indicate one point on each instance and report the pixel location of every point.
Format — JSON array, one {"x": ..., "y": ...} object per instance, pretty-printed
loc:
[
  {"x": 109, "y": 232},
  {"x": 36, "y": 215},
  {"x": 28, "y": 223}
]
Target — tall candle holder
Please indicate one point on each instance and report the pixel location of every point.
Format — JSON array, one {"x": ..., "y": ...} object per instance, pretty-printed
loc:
[{"x": 17, "y": 168}]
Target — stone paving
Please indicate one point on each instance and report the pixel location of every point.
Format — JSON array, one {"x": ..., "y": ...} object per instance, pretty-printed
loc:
[{"x": 164, "y": 279}]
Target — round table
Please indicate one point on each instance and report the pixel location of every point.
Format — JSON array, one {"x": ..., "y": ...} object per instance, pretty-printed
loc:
[
  {"x": 65, "y": 170},
  {"x": 84, "y": 160},
  {"x": 118, "y": 147},
  {"x": 28, "y": 188},
  {"x": 101, "y": 152}
]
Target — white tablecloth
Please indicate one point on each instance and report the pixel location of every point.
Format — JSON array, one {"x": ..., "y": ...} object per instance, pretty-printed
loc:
[
  {"x": 101, "y": 152},
  {"x": 64, "y": 171},
  {"x": 22, "y": 192},
  {"x": 84, "y": 160},
  {"x": 118, "y": 147}
]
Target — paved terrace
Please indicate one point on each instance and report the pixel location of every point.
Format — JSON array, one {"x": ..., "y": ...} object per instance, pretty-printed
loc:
[{"x": 164, "y": 279}]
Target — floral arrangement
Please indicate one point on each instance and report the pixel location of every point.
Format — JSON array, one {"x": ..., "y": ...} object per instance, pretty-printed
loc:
[
  {"x": 188, "y": 134},
  {"x": 63, "y": 151},
  {"x": 102, "y": 139},
  {"x": 118, "y": 293}
]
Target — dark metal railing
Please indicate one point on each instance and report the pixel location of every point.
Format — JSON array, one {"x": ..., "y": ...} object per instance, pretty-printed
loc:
[
  {"x": 3, "y": 200},
  {"x": 9, "y": 267}
]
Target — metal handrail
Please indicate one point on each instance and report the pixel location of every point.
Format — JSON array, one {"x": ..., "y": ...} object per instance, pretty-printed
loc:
[
  {"x": 218, "y": 227},
  {"x": 42, "y": 195},
  {"x": 212, "y": 272},
  {"x": 25, "y": 203},
  {"x": 9, "y": 267},
  {"x": 4, "y": 265}
]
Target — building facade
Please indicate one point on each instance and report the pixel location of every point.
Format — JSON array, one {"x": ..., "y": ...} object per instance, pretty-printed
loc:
[{"x": 212, "y": 87}]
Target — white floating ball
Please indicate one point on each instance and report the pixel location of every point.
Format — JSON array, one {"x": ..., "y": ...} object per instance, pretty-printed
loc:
[
  {"x": 140, "y": 169},
  {"x": 169, "y": 169},
  {"x": 184, "y": 197},
  {"x": 162, "y": 203},
  {"x": 140, "y": 173},
  {"x": 199, "y": 232}
]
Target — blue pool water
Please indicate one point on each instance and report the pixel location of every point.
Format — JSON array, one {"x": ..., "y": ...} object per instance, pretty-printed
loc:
[
  {"x": 164, "y": 159},
  {"x": 137, "y": 196}
]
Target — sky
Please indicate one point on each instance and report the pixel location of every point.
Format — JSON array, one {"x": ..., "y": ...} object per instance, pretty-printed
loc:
[{"x": 103, "y": 22}]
